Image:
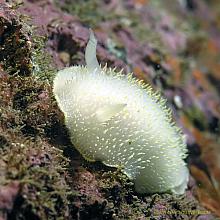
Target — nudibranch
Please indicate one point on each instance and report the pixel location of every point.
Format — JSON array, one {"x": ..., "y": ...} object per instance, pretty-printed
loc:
[{"x": 118, "y": 120}]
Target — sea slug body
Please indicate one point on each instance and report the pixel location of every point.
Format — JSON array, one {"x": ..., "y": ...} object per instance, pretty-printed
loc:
[{"x": 119, "y": 120}]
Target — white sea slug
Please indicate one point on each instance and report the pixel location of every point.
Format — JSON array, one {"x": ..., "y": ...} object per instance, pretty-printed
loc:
[{"x": 117, "y": 119}]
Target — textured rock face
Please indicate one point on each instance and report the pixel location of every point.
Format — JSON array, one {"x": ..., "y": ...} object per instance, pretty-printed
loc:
[
  {"x": 100, "y": 192},
  {"x": 118, "y": 120}
]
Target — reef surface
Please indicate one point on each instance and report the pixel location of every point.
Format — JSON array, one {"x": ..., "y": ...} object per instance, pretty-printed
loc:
[{"x": 174, "y": 47}]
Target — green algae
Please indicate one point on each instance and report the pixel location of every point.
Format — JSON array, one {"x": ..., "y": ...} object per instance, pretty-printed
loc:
[
  {"x": 43, "y": 191},
  {"x": 196, "y": 116},
  {"x": 87, "y": 11},
  {"x": 28, "y": 113},
  {"x": 43, "y": 68}
]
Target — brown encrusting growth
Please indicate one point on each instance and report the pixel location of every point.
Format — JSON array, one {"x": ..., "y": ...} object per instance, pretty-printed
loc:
[
  {"x": 15, "y": 44},
  {"x": 175, "y": 49}
]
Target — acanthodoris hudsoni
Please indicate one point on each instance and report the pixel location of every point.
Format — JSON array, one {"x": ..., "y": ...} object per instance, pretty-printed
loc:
[{"x": 119, "y": 120}]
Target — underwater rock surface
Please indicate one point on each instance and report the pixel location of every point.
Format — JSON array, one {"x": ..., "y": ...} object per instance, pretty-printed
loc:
[{"x": 174, "y": 49}]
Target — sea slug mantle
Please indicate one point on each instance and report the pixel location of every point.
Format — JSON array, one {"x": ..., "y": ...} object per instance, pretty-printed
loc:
[{"x": 119, "y": 120}]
